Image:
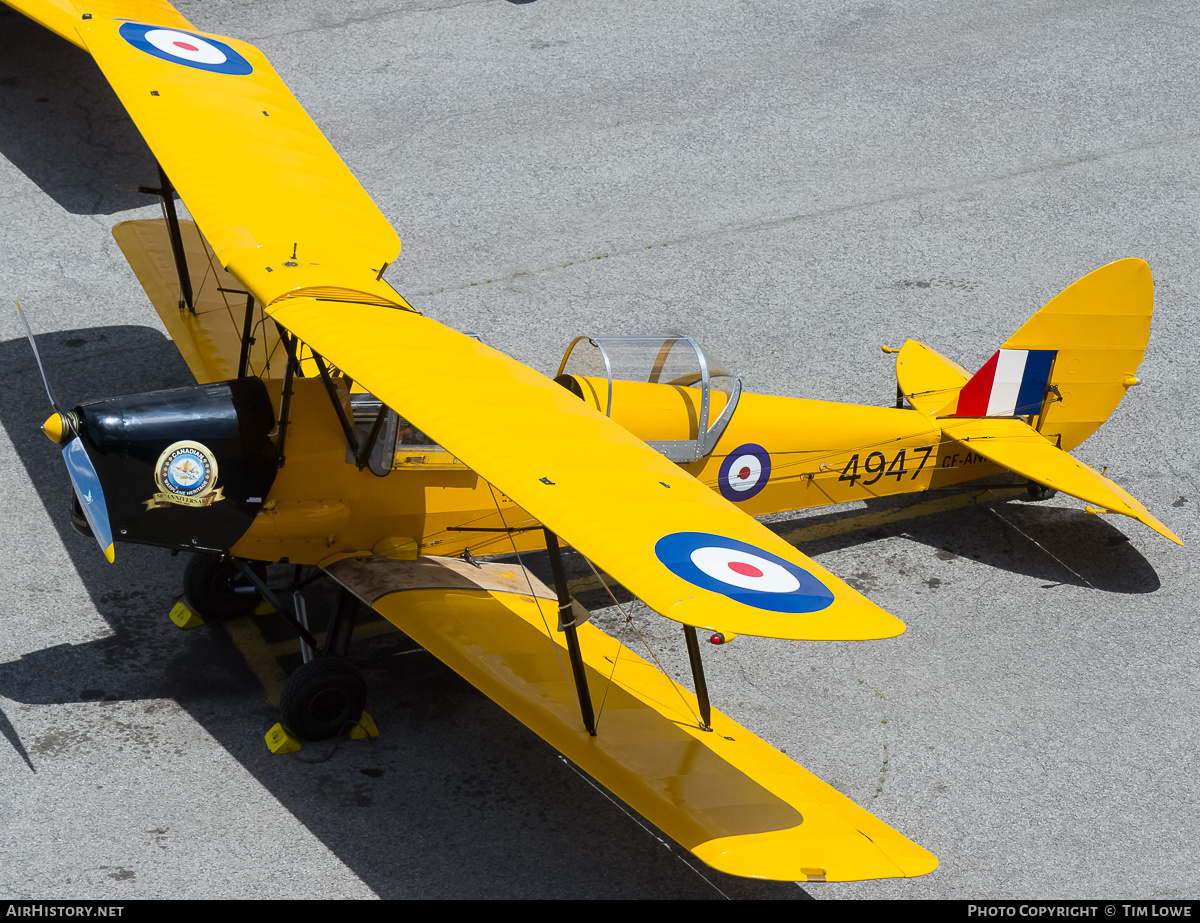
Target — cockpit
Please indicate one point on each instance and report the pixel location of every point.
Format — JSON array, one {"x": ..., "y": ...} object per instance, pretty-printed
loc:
[{"x": 663, "y": 389}]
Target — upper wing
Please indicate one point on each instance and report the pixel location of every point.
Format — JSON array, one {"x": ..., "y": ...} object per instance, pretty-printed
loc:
[
  {"x": 286, "y": 217},
  {"x": 685, "y": 550},
  {"x": 277, "y": 204},
  {"x": 62, "y": 16}
]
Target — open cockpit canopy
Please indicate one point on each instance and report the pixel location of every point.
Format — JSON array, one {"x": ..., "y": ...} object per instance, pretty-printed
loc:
[{"x": 648, "y": 376}]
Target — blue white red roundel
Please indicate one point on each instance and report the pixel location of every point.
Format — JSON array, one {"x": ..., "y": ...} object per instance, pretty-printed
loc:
[
  {"x": 185, "y": 48},
  {"x": 742, "y": 572},
  {"x": 744, "y": 472}
]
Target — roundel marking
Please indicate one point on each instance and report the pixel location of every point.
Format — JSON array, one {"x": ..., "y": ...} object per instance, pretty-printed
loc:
[
  {"x": 744, "y": 472},
  {"x": 742, "y": 572},
  {"x": 185, "y": 48}
]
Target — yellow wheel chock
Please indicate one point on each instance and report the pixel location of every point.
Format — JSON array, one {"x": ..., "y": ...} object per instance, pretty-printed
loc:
[{"x": 184, "y": 616}]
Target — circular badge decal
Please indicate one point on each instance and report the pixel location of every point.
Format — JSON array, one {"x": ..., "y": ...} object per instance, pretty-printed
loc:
[
  {"x": 185, "y": 48},
  {"x": 744, "y": 472},
  {"x": 742, "y": 572},
  {"x": 186, "y": 469}
]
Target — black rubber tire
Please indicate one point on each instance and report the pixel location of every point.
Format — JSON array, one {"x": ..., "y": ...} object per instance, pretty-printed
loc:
[
  {"x": 322, "y": 699},
  {"x": 208, "y": 587},
  {"x": 78, "y": 520},
  {"x": 1039, "y": 492}
]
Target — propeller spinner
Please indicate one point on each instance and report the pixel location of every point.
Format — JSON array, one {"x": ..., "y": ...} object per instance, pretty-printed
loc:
[{"x": 62, "y": 427}]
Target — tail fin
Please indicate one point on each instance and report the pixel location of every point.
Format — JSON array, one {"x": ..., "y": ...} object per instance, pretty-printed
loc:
[{"x": 1066, "y": 369}]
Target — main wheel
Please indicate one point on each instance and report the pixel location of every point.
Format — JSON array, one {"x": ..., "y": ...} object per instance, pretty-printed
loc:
[
  {"x": 216, "y": 589},
  {"x": 322, "y": 698},
  {"x": 1038, "y": 492}
]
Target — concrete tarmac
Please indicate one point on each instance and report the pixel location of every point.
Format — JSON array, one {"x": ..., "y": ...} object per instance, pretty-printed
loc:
[{"x": 793, "y": 184}]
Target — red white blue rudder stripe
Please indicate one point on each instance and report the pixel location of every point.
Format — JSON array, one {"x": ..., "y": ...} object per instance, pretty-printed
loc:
[{"x": 1011, "y": 384}]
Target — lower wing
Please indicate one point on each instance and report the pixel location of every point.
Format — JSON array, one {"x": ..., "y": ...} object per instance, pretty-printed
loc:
[{"x": 730, "y": 798}]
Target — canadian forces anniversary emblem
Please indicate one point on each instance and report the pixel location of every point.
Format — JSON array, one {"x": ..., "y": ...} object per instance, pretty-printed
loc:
[{"x": 186, "y": 474}]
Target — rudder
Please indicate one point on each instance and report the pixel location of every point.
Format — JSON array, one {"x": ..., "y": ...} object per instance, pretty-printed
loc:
[{"x": 1066, "y": 369}]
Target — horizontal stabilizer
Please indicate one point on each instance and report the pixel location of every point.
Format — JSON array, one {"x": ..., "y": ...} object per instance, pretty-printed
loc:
[
  {"x": 1018, "y": 447},
  {"x": 734, "y": 801}
]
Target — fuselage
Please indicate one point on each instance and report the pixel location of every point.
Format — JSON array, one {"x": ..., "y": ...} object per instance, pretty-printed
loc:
[{"x": 777, "y": 454}]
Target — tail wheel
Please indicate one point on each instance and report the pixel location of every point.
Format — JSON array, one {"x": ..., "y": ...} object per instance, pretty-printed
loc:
[
  {"x": 322, "y": 699},
  {"x": 216, "y": 589},
  {"x": 1038, "y": 492}
]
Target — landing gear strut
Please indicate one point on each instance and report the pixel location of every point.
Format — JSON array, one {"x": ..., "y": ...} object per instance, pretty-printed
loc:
[{"x": 326, "y": 695}]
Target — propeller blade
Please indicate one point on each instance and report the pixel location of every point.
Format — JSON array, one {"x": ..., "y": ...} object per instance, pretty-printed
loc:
[
  {"x": 91, "y": 497},
  {"x": 81, "y": 471},
  {"x": 38, "y": 357}
]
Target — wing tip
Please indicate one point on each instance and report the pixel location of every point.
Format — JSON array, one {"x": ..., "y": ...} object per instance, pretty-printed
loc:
[{"x": 1161, "y": 529}]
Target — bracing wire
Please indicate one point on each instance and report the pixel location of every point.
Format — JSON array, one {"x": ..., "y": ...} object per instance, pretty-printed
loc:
[
  {"x": 637, "y": 820},
  {"x": 1053, "y": 557},
  {"x": 629, "y": 623},
  {"x": 536, "y": 599}
]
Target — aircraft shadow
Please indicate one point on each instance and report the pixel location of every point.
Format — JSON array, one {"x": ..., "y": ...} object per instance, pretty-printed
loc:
[
  {"x": 63, "y": 126},
  {"x": 1052, "y": 544},
  {"x": 84, "y": 364},
  {"x": 455, "y": 799},
  {"x": 1049, "y": 543}
]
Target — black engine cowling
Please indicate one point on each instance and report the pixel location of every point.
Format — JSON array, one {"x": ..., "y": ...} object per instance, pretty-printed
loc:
[{"x": 185, "y": 468}]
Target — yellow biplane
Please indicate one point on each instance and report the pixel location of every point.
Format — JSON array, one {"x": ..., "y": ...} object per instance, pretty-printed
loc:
[{"x": 334, "y": 428}]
